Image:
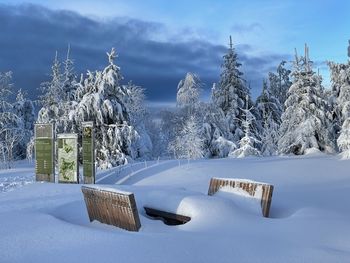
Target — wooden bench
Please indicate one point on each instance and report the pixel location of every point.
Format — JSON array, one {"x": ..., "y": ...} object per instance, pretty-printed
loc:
[
  {"x": 257, "y": 190},
  {"x": 112, "y": 207}
]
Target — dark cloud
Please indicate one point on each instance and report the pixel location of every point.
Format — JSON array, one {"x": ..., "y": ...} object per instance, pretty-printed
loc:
[{"x": 31, "y": 34}]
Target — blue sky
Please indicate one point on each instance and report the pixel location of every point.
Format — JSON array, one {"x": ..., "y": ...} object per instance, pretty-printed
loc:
[{"x": 264, "y": 32}]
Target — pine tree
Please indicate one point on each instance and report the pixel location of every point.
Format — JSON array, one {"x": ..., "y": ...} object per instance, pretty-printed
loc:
[
  {"x": 69, "y": 82},
  {"x": 51, "y": 95},
  {"x": 280, "y": 82},
  {"x": 218, "y": 139},
  {"x": 340, "y": 100},
  {"x": 270, "y": 110},
  {"x": 344, "y": 139},
  {"x": 270, "y": 136},
  {"x": 231, "y": 92},
  {"x": 248, "y": 145},
  {"x": 188, "y": 91},
  {"x": 24, "y": 109},
  {"x": 305, "y": 122},
  {"x": 58, "y": 99}
]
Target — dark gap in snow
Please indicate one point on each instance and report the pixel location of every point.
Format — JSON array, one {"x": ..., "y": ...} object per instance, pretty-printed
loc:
[{"x": 169, "y": 219}]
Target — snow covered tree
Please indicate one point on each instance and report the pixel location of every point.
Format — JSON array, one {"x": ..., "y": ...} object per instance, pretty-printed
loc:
[
  {"x": 188, "y": 91},
  {"x": 340, "y": 100},
  {"x": 231, "y": 92},
  {"x": 159, "y": 142},
  {"x": 69, "y": 82},
  {"x": 24, "y": 109},
  {"x": 267, "y": 104},
  {"x": 58, "y": 99},
  {"x": 344, "y": 139},
  {"x": 270, "y": 110},
  {"x": 306, "y": 121},
  {"x": 248, "y": 144},
  {"x": 51, "y": 95},
  {"x": 105, "y": 102},
  {"x": 189, "y": 143},
  {"x": 270, "y": 136},
  {"x": 217, "y": 135},
  {"x": 10, "y": 124},
  {"x": 280, "y": 82},
  {"x": 138, "y": 115}
]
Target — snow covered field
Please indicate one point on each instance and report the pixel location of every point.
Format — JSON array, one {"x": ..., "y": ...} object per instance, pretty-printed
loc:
[{"x": 310, "y": 215}]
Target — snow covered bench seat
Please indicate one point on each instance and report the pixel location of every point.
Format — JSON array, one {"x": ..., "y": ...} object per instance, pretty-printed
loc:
[
  {"x": 261, "y": 191},
  {"x": 112, "y": 207}
]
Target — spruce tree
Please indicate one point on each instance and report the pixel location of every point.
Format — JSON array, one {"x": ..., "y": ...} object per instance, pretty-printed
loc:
[
  {"x": 59, "y": 94},
  {"x": 188, "y": 91},
  {"x": 249, "y": 144},
  {"x": 231, "y": 92},
  {"x": 340, "y": 100},
  {"x": 270, "y": 110},
  {"x": 305, "y": 122},
  {"x": 51, "y": 95},
  {"x": 24, "y": 109},
  {"x": 218, "y": 139},
  {"x": 280, "y": 82}
]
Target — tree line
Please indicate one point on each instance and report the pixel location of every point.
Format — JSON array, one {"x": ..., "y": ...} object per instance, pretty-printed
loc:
[{"x": 294, "y": 114}]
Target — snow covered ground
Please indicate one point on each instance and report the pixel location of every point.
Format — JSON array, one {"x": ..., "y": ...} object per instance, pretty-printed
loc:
[
  {"x": 310, "y": 215},
  {"x": 20, "y": 176}
]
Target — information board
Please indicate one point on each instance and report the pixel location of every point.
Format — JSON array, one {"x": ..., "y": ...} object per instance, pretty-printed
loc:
[
  {"x": 67, "y": 155},
  {"x": 88, "y": 153},
  {"x": 44, "y": 152}
]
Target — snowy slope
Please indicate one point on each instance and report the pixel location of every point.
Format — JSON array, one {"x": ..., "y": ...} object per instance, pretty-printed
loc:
[{"x": 309, "y": 222}]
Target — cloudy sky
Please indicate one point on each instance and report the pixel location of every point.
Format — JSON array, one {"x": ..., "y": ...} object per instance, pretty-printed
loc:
[{"x": 159, "y": 41}]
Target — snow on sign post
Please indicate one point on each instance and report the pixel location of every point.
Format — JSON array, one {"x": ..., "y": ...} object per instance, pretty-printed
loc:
[
  {"x": 67, "y": 155},
  {"x": 88, "y": 152},
  {"x": 44, "y": 152}
]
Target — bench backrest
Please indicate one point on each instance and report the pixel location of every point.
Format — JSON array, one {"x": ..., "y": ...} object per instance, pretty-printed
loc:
[
  {"x": 112, "y": 207},
  {"x": 254, "y": 189}
]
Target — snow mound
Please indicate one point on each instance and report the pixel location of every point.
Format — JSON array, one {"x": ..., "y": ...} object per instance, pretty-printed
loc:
[{"x": 45, "y": 222}]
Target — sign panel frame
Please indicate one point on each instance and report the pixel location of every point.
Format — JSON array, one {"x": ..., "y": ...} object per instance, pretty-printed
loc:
[
  {"x": 88, "y": 152},
  {"x": 44, "y": 152},
  {"x": 67, "y": 158}
]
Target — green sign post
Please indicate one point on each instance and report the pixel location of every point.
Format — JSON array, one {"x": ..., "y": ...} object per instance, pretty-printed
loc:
[
  {"x": 44, "y": 152},
  {"x": 67, "y": 155},
  {"x": 88, "y": 152}
]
